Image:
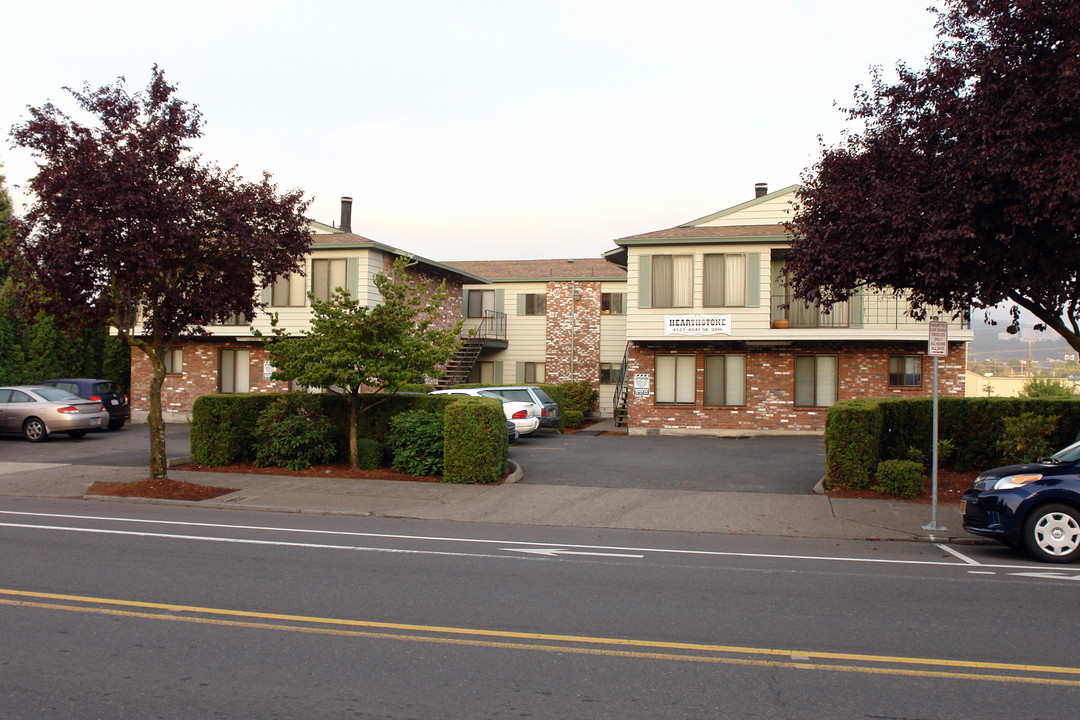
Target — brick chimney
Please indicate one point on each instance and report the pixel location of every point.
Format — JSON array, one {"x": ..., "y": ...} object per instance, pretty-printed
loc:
[
  {"x": 346, "y": 215},
  {"x": 760, "y": 190}
]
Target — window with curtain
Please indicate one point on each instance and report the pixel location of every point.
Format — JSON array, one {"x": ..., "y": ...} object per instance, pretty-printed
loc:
[
  {"x": 288, "y": 291},
  {"x": 478, "y": 302},
  {"x": 815, "y": 380},
  {"x": 534, "y": 373},
  {"x": 675, "y": 379},
  {"x": 612, "y": 304},
  {"x": 327, "y": 276},
  {"x": 905, "y": 370},
  {"x": 672, "y": 281},
  {"x": 174, "y": 361},
  {"x": 234, "y": 371},
  {"x": 725, "y": 380},
  {"x": 725, "y": 280},
  {"x": 535, "y": 303},
  {"x": 610, "y": 373}
]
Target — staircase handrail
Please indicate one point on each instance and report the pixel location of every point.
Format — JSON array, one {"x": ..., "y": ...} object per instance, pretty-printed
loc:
[
  {"x": 492, "y": 327},
  {"x": 622, "y": 378}
]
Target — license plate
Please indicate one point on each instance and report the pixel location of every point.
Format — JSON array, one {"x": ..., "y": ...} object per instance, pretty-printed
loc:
[
  {"x": 963, "y": 507},
  {"x": 95, "y": 421},
  {"x": 114, "y": 401}
]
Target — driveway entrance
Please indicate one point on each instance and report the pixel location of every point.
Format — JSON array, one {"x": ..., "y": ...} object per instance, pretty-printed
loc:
[{"x": 789, "y": 465}]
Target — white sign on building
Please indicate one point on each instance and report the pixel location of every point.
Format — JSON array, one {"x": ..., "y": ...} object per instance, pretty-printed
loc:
[
  {"x": 697, "y": 324},
  {"x": 641, "y": 384}
]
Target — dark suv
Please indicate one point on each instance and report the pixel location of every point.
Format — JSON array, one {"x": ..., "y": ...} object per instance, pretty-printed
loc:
[{"x": 107, "y": 392}]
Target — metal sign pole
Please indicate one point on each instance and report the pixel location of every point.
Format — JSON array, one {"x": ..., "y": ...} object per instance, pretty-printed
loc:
[{"x": 939, "y": 346}]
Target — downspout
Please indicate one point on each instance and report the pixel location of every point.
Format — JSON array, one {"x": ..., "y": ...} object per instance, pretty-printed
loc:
[{"x": 573, "y": 325}]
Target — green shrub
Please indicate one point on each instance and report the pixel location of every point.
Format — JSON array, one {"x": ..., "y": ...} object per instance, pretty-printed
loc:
[
  {"x": 223, "y": 427},
  {"x": 573, "y": 419},
  {"x": 416, "y": 442},
  {"x": 578, "y": 397},
  {"x": 1026, "y": 438},
  {"x": 1041, "y": 388},
  {"x": 900, "y": 478},
  {"x": 475, "y": 441},
  {"x": 293, "y": 433},
  {"x": 852, "y": 443},
  {"x": 914, "y": 454},
  {"x": 369, "y": 454}
]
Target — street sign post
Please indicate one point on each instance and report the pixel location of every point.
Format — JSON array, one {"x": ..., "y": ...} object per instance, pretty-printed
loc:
[{"x": 937, "y": 347}]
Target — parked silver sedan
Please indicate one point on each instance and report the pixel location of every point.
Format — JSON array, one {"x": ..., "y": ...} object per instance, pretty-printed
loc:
[{"x": 37, "y": 412}]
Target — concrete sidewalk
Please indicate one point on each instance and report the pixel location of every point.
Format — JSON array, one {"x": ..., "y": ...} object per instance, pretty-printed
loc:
[{"x": 809, "y": 515}]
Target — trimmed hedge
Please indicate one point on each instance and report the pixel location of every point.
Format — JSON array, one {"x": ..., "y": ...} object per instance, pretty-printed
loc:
[
  {"x": 223, "y": 426},
  {"x": 861, "y": 433},
  {"x": 475, "y": 441}
]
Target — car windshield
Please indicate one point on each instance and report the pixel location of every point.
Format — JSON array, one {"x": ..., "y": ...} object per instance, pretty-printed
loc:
[
  {"x": 1069, "y": 454},
  {"x": 56, "y": 395}
]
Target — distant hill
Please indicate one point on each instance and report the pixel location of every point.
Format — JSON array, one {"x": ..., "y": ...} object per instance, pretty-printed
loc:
[{"x": 994, "y": 342}]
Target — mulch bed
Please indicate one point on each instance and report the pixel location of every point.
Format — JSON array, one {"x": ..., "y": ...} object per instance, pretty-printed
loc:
[
  {"x": 163, "y": 489},
  {"x": 951, "y": 485}
]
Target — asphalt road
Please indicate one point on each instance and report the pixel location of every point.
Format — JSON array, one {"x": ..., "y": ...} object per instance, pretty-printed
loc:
[{"x": 141, "y": 611}]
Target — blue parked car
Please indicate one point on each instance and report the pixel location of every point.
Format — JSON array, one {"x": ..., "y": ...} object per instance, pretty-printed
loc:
[{"x": 1035, "y": 505}]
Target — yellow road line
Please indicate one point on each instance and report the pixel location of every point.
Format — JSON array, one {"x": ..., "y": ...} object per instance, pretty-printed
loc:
[{"x": 470, "y": 637}]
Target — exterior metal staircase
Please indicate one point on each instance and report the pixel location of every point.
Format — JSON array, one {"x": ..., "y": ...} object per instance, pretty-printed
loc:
[
  {"x": 459, "y": 366},
  {"x": 622, "y": 393}
]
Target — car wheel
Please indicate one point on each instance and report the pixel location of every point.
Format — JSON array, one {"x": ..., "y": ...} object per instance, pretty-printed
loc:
[
  {"x": 116, "y": 424},
  {"x": 1052, "y": 533},
  {"x": 34, "y": 430},
  {"x": 77, "y": 434}
]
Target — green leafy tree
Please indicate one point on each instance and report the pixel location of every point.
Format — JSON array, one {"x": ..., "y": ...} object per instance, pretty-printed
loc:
[
  {"x": 132, "y": 230},
  {"x": 959, "y": 182},
  {"x": 353, "y": 348},
  {"x": 1047, "y": 388}
]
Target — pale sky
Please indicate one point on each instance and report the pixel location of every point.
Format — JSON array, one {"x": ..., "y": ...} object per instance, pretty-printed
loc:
[{"x": 477, "y": 129}]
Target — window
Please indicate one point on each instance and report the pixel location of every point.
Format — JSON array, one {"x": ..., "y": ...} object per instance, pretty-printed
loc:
[
  {"x": 675, "y": 378},
  {"x": 234, "y": 371},
  {"x": 905, "y": 370},
  {"x": 612, "y": 304},
  {"x": 478, "y": 301},
  {"x": 326, "y": 276},
  {"x": 672, "y": 281},
  {"x": 725, "y": 380},
  {"x": 234, "y": 319},
  {"x": 174, "y": 361},
  {"x": 535, "y": 303},
  {"x": 610, "y": 373},
  {"x": 483, "y": 372},
  {"x": 288, "y": 291},
  {"x": 534, "y": 371},
  {"x": 725, "y": 280},
  {"x": 815, "y": 380}
]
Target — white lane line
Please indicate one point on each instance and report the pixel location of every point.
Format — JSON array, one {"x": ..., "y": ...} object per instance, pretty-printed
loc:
[
  {"x": 520, "y": 543},
  {"x": 273, "y": 543},
  {"x": 555, "y": 552},
  {"x": 958, "y": 554}
]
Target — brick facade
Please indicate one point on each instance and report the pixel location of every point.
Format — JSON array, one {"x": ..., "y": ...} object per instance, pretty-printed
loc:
[
  {"x": 200, "y": 375},
  {"x": 201, "y": 372},
  {"x": 572, "y": 334},
  {"x": 862, "y": 370}
]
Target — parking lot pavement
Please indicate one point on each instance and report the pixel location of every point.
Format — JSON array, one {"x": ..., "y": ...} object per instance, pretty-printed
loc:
[
  {"x": 127, "y": 447},
  {"x": 770, "y": 464}
]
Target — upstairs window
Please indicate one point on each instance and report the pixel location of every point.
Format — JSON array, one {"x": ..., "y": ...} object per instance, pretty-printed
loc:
[
  {"x": 672, "y": 281},
  {"x": 535, "y": 304},
  {"x": 327, "y": 276},
  {"x": 612, "y": 304},
  {"x": 478, "y": 301},
  {"x": 288, "y": 291},
  {"x": 725, "y": 280}
]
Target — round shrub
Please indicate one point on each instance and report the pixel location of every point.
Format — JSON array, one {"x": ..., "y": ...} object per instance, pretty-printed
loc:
[
  {"x": 416, "y": 442},
  {"x": 291, "y": 433},
  {"x": 900, "y": 478},
  {"x": 573, "y": 419}
]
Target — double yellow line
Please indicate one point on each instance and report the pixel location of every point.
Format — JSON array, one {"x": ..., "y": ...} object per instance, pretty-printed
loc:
[{"x": 542, "y": 642}]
